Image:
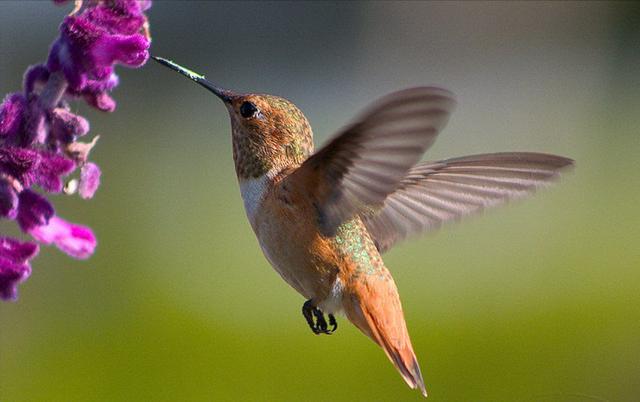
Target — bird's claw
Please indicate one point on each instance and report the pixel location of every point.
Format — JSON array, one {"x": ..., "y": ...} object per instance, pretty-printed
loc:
[
  {"x": 333, "y": 323},
  {"x": 320, "y": 326}
]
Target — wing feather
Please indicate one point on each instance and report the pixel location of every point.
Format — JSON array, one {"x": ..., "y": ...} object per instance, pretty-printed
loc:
[
  {"x": 366, "y": 161},
  {"x": 433, "y": 193}
]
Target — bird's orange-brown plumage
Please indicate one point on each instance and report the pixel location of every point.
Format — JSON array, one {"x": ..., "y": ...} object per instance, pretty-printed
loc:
[
  {"x": 373, "y": 305},
  {"x": 313, "y": 264}
]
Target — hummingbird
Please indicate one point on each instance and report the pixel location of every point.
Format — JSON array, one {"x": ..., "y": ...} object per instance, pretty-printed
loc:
[{"x": 323, "y": 219}]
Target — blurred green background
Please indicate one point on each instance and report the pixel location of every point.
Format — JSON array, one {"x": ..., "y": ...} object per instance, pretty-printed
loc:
[{"x": 538, "y": 301}]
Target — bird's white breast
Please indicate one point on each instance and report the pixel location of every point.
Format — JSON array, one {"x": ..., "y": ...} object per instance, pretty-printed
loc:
[{"x": 253, "y": 191}]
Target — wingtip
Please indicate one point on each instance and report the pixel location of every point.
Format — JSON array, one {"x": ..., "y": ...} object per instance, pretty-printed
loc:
[
  {"x": 560, "y": 161},
  {"x": 563, "y": 164},
  {"x": 569, "y": 163}
]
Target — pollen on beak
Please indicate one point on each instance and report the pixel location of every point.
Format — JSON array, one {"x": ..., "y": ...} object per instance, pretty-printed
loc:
[{"x": 221, "y": 93}]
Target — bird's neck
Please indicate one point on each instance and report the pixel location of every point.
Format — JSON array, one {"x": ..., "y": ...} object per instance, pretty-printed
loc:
[{"x": 254, "y": 159}]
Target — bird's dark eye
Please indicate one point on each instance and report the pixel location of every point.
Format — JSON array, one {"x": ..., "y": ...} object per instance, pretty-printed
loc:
[{"x": 248, "y": 109}]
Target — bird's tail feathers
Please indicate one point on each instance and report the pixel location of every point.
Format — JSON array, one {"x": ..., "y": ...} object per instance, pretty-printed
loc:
[{"x": 393, "y": 337}]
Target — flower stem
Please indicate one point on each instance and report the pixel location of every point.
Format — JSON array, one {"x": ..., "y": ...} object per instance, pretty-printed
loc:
[{"x": 53, "y": 90}]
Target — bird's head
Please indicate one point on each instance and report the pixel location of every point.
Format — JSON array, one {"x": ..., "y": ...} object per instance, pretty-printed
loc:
[{"x": 269, "y": 132}]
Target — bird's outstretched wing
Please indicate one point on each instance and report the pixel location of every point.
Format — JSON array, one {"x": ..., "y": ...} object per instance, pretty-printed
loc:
[
  {"x": 367, "y": 160},
  {"x": 433, "y": 193}
]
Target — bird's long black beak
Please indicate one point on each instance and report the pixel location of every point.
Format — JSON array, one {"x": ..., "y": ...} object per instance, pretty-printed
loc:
[{"x": 221, "y": 93}]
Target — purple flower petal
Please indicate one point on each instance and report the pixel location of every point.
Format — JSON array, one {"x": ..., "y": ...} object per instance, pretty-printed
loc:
[
  {"x": 12, "y": 274},
  {"x": 8, "y": 200},
  {"x": 89, "y": 180},
  {"x": 50, "y": 170},
  {"x": 33, "y": 210},
  {"x": 71, "y": 52},
  {"x": 67, "y": 126},
  {"x": 106, "y": 84},
  {"x": 101, "y": 101},
  {"x": 19, "y": 163},
  {"x": 16, "y": 250},
  {"x": 30, "y": 167},
  {"x": 86, "y": 50},
  {"x": 12, "y": 114},
  {"x": 14, "y": 265},
  {"x": 131, "y": 50},
  {"x": 76, "y": 240},
  {"x": 118, "y": 16},
  {"x": 144, "y": 4}
]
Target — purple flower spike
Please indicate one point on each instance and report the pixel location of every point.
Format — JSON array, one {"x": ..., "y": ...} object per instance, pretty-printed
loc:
[
  {"x": 33, "y": 210},
  {"x": 39, "y": 134},
  {"x": 89, "y": 180},
  {"x": 14, "y": 265},
  {"x": 76, "y": 240}
]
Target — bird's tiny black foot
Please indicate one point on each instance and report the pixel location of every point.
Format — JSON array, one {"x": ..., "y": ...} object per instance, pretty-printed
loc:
[
  {"x": 320, "y": 326},
  {"x": 307, "y": 312},
  {"x": 333, "y": 323}
]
